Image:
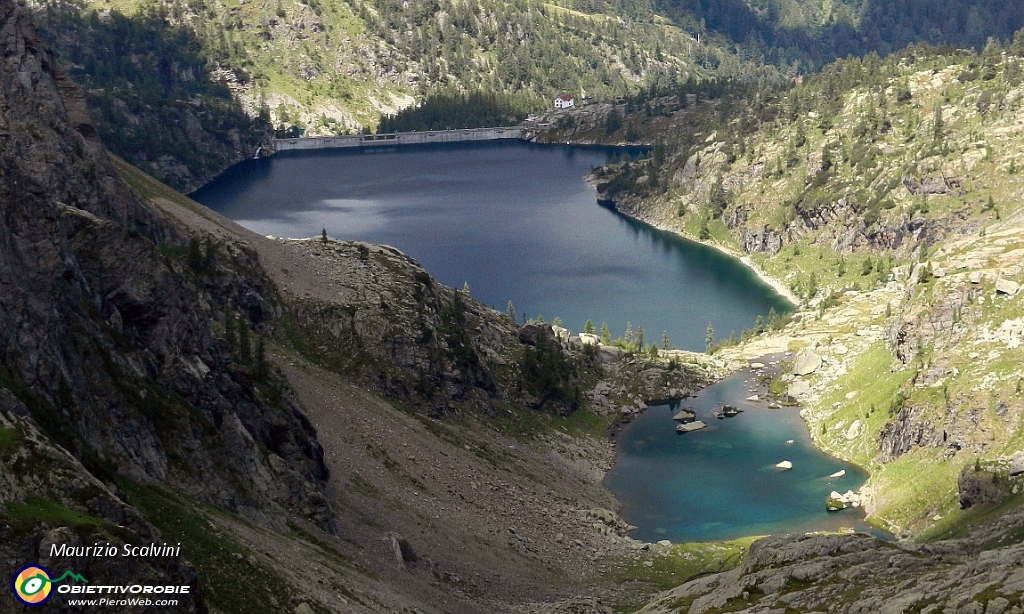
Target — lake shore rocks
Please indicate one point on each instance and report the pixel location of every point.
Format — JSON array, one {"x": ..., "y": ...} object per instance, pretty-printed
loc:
[{"x": 837, "y": 501}]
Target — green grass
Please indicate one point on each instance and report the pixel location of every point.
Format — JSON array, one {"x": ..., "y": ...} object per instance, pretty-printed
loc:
[
  {"x": 683, "y": 562},
  {"x": 876, "y": 384},
  {"x": 150, "y": 188},
  {"x": 36, "y": 510},
  {"x": 233, "y": 584},
  {"x": 916, "y": 485},
  {"x": 960, "y": 522},
  {"x": 10, "y": 439}
]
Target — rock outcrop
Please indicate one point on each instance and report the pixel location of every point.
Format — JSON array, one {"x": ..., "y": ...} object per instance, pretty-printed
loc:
[
  {"x": 843, "y": 574},
  {"x": 111, "y": 345}
]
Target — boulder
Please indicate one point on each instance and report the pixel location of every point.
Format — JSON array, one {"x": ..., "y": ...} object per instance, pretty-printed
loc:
[
  {"x": 854, "y": 431},
  {"x": 690, "y": 426},
  {"x": 589, "y": 339},
  {"x": 1017, "y": 464},
  {"x": 806, "y": 362},
  {"x": 981, "y": 488},
  {"x": 685, "y": 415},
  {"x": 798, "y": 388},
  {"x": 834, "y": 505},
  {"x": 1006, "y": 286},
  {"x": 533, "y": 331}
]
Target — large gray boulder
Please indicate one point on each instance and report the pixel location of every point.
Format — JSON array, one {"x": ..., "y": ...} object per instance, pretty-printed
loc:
[
  {"x": 1006, "y": 286},
  {"x": 534, "y": 331},
  {"x": 806, "y": 362}
]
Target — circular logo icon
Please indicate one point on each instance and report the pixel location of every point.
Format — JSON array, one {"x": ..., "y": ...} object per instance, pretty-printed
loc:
[{"x": 31, "y": 585}]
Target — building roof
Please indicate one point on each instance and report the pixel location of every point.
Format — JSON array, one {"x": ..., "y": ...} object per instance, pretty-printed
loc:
[{"x": 564, "y": 97}]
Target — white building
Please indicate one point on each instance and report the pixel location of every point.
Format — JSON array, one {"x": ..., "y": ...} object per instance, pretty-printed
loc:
[{"x": 565, "y": 101}]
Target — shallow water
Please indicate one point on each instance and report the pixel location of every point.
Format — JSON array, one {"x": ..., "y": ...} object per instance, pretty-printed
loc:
[{"x": 721, "y": 482}]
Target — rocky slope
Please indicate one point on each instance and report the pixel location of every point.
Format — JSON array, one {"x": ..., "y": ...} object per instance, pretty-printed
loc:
[{"x": 980, "y": 572}]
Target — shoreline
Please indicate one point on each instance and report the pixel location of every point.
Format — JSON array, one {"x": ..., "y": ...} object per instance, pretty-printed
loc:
[{"x": 775, "y": 284}]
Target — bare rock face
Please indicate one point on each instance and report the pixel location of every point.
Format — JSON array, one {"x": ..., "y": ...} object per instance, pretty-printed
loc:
[
  {"x": 981, "y": 488},
  {"x": 932, "y": 184},
  {"x": 761, "y": 240},
  {"x": 907, "y": 431}
]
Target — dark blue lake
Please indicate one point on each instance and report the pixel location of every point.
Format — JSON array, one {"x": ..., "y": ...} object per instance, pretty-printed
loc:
[
  {"x": 721, "y": 482},
  {"x": 516, "y": 221}
]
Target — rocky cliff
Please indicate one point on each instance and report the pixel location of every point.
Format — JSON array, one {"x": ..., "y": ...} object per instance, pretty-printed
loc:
[{"x": 111, "y": 370}]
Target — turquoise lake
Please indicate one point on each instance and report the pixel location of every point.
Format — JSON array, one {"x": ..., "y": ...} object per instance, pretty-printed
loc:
[
  {"x": 721, "y": 482},
  {"x": 518, "y": 222}
]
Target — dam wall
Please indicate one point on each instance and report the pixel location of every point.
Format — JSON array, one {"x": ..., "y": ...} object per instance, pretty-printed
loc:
[{"x": 400, "y": 138}]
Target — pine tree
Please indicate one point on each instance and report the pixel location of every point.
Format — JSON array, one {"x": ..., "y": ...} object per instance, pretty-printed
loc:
[
  {"x": 262, "y": 367},
  {"x": 230, "y": 330},
  {"x": 606, "y": 334},
  {"x": 244, "y": 342},
  {"x": 709, "y": 338},
  {"x": 938, "y": 127},
  {"x": 588, "y": 327}
]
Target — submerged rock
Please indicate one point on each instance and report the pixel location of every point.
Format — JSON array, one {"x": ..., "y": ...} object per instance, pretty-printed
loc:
[{"x": 696, "y": 425}]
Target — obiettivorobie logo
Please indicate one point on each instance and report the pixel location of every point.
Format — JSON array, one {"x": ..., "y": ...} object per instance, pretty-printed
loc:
[{"x": 32, "y": 584}]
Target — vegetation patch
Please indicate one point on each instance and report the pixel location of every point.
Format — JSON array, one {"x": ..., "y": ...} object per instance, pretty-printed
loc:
[
  {"x": 235, "y": 582},
  {"x": 682, "y": 562},
  {"x": 25, "y": 516}
]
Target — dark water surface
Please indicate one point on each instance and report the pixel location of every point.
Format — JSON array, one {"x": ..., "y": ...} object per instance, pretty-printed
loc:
[
  {"x": 721, "y": 482},
  {"x": 517, "y": 221}
]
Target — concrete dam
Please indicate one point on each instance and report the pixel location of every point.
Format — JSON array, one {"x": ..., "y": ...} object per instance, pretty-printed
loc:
[{"x": 403, "y": 138}]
